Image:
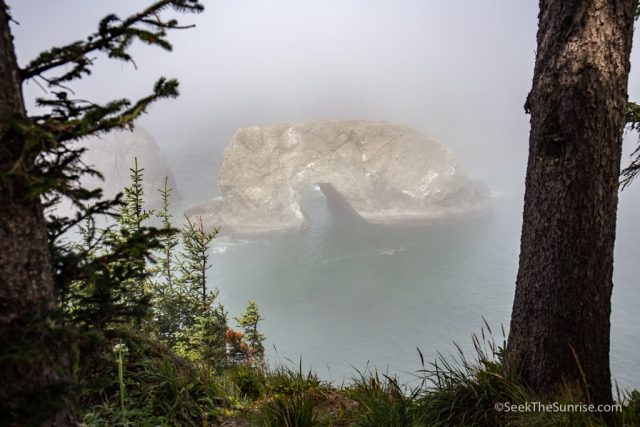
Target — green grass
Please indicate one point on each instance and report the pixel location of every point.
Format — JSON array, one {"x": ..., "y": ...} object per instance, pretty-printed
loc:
[
  {"x": 290, "y": 410},
  {"x": 289, "y": 380},
  {"x": 151, "y": 386},
  {"x": 382, "y": 401},
  {"x": 159, "y": 388},
  {"x": 463, "y": 391}
]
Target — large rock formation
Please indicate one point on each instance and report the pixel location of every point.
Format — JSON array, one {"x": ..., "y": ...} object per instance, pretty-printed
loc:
[
  {"x": 113, "y": 156},
  {"x": 386, "y": 173}
]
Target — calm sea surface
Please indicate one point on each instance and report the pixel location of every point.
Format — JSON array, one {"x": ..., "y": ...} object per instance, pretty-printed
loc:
[{"x": 345, "y": 295}]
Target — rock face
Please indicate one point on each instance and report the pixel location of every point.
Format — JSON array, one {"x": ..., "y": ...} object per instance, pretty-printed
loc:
[
  {"x": 386, "y": 173},
  {"x": 113, "y": 155}
]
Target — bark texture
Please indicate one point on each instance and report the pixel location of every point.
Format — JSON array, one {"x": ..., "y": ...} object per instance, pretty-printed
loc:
[
  {"x": 559, "y": 335},
  {"x": 26, "y": 278}
]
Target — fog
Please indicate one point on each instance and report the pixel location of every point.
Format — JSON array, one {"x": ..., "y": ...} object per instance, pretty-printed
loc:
[
  {"x": 458, "y": 72},
  {"x": 458, "y": 75}
]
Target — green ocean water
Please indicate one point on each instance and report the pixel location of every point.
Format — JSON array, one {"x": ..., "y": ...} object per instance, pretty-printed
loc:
[{"x": 346, "y": 295}]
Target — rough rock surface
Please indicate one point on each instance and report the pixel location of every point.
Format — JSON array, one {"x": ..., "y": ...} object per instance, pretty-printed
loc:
[
  {"x": 387, "y": 173},
  {"x": 113, "y": 155}
]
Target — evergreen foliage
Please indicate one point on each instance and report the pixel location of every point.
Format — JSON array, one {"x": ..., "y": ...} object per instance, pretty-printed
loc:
[
  {"x": 169, "y": 241},
  {"x": 108, "y": 292},
  {"x": 185, "y": 366},
  {"x": 205, "y": 340},
  {"x": 135, "y": 287},
  {"x": 40, "y": 162},
  {"x": 132, "y": 214},
  {"x": 248, "y": 321},
  {"x": 160, "y": 300},
  {"x": 56, "y": 168},
  {"x": 97, "y": 278},
  {"x": 633, "y": 123},
  {"x": 113, "y": 289},
  {"x": 195, "y": 257}
]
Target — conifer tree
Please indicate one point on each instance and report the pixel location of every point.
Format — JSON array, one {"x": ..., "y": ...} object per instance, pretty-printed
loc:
[
  {"x": 115, "y": 289},
  {"x": 186, "y": 316},
  {"x": 165, "y": 302},
  {"x": 202, "y": 336},
  {"x": 205, "y": 340},
  {"x": 560, "y": 323},
  {"x": 132, "y": 214},
  {"x": 248, "y": 321},
  {"x": 38, "y": 166},
  {"x": 196, "y": 242},
  {"x": 130, "y": 222},
  {"x": 169, "y": 240}
]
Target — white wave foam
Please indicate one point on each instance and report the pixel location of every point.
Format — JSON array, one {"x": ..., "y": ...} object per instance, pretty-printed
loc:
[{"x": 394, "y": 251}]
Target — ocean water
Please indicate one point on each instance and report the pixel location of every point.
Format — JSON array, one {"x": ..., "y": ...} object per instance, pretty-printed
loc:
[{"x": 345, "y": 295}]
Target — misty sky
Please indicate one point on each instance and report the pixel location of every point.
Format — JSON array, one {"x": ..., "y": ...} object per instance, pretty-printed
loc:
[{"x": 456, "y": 71}]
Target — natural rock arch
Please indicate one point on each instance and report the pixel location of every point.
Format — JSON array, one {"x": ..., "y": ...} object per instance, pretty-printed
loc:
[{"x": 385, "y": 172}]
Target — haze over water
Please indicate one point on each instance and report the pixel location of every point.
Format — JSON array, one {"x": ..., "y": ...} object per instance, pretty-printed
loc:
[{"x": 343, "y": 293}]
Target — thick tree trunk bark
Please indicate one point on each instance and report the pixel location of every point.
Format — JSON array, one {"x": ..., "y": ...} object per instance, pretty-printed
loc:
[
  {"x": 559, "y": 335},
  {"x": 26, "y": 278}
]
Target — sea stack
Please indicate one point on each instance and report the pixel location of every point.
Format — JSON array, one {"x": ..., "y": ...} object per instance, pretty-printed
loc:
[{"x": 388, "y": 174}]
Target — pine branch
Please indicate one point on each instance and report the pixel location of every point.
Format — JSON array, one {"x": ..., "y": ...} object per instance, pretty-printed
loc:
[
  {"x": 45, "y": 163},
  {"x": 71, "y": 121},
  {"x": 629, "y": 173},
  {"x": 114, "y": 37}
]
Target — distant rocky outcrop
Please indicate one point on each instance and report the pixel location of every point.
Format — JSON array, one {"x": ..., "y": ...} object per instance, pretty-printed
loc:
[
  {"x": 385, "y": 172},
  {"x": 113, "y": 155}
]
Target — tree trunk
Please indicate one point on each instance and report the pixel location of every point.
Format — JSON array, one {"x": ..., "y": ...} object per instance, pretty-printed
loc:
[
  {"x": 559, "y": 335},
  {"x": 37, "y": 364}
]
